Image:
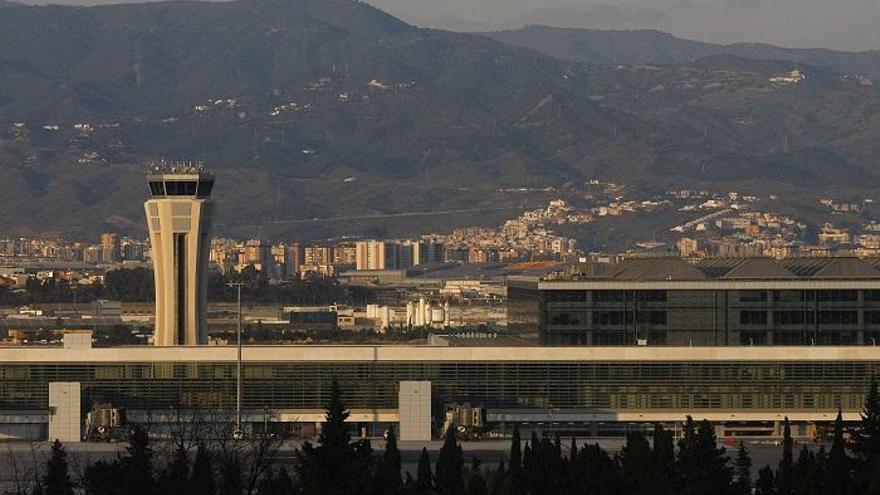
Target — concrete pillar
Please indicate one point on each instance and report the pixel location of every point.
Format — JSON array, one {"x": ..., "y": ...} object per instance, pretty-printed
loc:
[
  {"x": 414, "y": 411},
  {"x": 65, "y": 416}
]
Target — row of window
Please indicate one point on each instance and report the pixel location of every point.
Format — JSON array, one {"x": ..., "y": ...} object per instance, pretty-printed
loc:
[
  {"x": 201, "y": 188},
  {"x": 565, "y": 385},
  {"x": 761, "y": 296}
]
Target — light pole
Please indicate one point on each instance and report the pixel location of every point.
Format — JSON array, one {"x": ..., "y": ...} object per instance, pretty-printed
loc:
[{"x": 238, "y": 433}]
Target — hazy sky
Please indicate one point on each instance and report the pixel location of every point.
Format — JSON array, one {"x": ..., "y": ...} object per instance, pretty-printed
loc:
[{"x": 841, "y": 24}]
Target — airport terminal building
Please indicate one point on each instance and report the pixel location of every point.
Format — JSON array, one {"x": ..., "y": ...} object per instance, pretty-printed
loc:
[
  {"x": 46, "y": 392},
  {"x": 741, "y": 342},
  {"x": 712, "y": 302}
]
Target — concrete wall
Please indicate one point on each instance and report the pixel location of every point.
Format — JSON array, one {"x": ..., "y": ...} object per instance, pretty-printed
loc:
[
  {"x": 65, "y": 417},
  {"x": 414, "y": 410}
]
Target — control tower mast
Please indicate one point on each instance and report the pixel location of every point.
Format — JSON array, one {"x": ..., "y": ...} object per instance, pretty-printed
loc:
[{"x": 179, "y": 215}]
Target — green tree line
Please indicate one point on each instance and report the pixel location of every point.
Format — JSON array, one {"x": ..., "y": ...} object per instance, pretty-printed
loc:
[{"x": 136, "y": 285}]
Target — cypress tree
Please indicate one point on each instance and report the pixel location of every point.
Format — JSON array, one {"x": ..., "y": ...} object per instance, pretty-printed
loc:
[
  {"x": 515, "y": 468},
  {"x": 448, "y": 474},
  {"x": 137, "y": 464},
  {"x": 837, "y": 469},
  {"x": 866, "y": 442},
  {"x": 765, "y": 485},
  {"x": 387, "y": 478},
  {"x": 477, "y": 484},
  {"x": 424, "y": 478},
  {"x": 201, "y": 481},
  {"x": 664, "y": 460},
  {"x": 636, "y": 466},
  {"x": 334, "y": 467},
  {"x": 815, "y": 482},
  {"x": 175, "y": 478},
  {"x": 743, "y": 464},
  {"x": 784, "y": 481},
  {"x": 57, "y": 480},
  {"x": 802, "y": 470},
  {"x": 704, "y": 468}
]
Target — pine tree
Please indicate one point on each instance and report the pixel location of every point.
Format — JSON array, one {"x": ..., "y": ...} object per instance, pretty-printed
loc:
[
  {"x": 104, "y": 478},
  {"x": 477, "y": 484},
  {"x": 57, "y": 480},
  {"x": 334, "y": 467},
  {"x": 636, "y": 465},
  {"x": 837, "y": 471},
  {"x": 201, "y": 481},
  {"x": 802, "y": 470},
  {"x": 387, "y": 478},
  {"x": 450, "y": 461},
  {"x": 784, "y": 481},
  {"x": 766, "y": 484},
  {"x": 743, "y": 465},
  {"x": 424, "y": 478},
  {"x": 866, "y": 442},
  {"x": 175, "y": 478},
  {"x": 137, "y": 464},
  {"x": 516, "y": 465},
  {"x": 664, "y": 460},
  {"x": 704, "y": 468},
  {"x": 815, "y": 482}
]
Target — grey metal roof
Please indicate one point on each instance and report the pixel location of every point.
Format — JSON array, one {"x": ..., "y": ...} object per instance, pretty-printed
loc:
[
  {"x": 756, "y": 268},
  {"x": 666, "y": 268}
]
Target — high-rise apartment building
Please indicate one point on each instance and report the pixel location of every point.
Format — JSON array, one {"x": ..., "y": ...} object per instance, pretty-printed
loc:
[
  {"x": 425, "y": 252},
  {"x": 179, "y": 214},
  {"x": 319, "y": 255},
  {"x": 377, "y": 255},
  {"x": 110, "y": 247},
  {"x": 295, "y": 259},
  {"x": 345, "y": 255}
]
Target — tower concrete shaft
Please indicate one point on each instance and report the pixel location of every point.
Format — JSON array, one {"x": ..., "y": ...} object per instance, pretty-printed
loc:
[{"x": 179, "y": 215}]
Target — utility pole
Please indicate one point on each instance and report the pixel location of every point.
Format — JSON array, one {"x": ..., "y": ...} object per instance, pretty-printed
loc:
[{"x": 238, "y": 433}]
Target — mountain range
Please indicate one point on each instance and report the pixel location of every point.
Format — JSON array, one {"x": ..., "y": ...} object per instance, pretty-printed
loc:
[
  {"x": 329, "y": 117},
  {"x": 639, "y": 47}
]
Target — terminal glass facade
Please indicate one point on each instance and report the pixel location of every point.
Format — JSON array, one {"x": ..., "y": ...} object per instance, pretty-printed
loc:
[
  {"x": 696, "y": 317},
  {"x": 619, "y": 386}
]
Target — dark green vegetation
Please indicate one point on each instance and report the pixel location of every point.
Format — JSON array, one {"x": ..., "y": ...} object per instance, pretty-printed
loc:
[
  {"x": 338, "y": 465},
  {"x": 450, "y": 119},
  {"x": 136, "y": 285}
]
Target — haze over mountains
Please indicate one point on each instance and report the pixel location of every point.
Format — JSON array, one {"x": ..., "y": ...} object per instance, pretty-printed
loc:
[
  {"x": 634, "y": 47},
  {"x": 333, "y": 109}
]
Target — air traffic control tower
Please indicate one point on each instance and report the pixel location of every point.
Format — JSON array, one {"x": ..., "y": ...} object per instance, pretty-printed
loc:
[{"x": 179, "y": 214}]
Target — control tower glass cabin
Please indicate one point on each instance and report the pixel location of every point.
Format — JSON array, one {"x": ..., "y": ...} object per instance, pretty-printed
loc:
[{"x": 179, "y": 214}]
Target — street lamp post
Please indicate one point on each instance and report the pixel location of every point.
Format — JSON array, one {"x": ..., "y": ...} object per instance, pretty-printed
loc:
[{"x": 238, "y": 433}]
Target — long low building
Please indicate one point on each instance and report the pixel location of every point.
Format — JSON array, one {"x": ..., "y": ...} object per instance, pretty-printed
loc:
[
  {"x": 742, "y": 389},
  {"x": 710, "y": 302}
]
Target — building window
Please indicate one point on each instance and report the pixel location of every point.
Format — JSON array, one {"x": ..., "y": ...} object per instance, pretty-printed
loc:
[
  {"x": 603, "y": 296},
  {"x": 752, "y": 338},
  {"x": 838, "y": 317},
  {"x": 753, "y": 317},
  {"x": 753, "y": 296},
  {"x": 837, "y": 295},
  {"x": 789, "y": 317},
  {"x": 601, "y": 318},
  {"x": 565, "y": 318},
  {"x": 566, "y": 296}
]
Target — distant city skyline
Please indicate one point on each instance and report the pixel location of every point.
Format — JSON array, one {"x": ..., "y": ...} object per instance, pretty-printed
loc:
[{"x": 842, "y": 25}]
